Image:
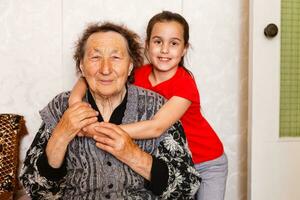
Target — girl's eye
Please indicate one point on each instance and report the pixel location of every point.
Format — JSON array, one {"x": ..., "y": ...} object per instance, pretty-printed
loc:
[
  {"x": 174, "y": 43},
  {"x": 157, "y": 42}
]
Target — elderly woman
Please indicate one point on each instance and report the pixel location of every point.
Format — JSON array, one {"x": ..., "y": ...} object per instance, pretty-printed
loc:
[{"x": 109, "y": 165}]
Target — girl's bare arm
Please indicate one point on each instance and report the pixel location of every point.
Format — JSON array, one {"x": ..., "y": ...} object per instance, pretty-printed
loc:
[
  {"x": 171, "y": 112},
  {"x": 78, "y": 91}
]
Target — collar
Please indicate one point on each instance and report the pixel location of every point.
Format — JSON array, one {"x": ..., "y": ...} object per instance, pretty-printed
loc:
[{"x": 117, "y": 115}]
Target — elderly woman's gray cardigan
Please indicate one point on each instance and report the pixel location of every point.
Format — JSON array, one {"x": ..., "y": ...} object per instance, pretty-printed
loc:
[{"x": 94, "y": 174}]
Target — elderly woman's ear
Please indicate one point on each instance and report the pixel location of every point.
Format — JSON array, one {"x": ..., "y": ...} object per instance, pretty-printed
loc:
[
  {"x": 130, "y": 69},
  {"x": 82, "y": 74}
]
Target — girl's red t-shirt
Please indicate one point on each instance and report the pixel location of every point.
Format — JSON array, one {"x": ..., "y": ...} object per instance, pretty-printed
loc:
[{"x": 203, "y": 142}]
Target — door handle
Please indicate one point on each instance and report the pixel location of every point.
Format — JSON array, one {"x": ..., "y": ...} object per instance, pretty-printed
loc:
[{"x": 271, "y": 30}]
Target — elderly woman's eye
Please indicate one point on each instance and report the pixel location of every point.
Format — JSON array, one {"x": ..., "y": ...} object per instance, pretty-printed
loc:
[
  {"x": 116, "y": 57},
  {"x": 95, "y": 57}
]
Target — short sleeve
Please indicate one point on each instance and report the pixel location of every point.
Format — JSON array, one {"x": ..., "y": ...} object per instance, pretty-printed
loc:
[{"x": 186, "y": 87}]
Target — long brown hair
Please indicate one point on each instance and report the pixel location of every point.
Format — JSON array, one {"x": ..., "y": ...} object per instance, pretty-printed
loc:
[{"x": 167, "y": 16}]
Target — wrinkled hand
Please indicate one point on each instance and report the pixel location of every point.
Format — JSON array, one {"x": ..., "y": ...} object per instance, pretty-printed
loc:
[
  {"x": 89, "y": 130},
  {"x": 111, "y": 138},
  {"x": 114, "y": 140},
  {"x": 73, "y": 120}
]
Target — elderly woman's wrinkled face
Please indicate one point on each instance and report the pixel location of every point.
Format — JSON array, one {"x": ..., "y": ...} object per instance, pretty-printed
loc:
[{"x": 106, "y": 63}]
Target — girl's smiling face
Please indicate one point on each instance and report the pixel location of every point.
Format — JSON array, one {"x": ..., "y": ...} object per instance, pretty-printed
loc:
[{"x": 166, "y": 46}]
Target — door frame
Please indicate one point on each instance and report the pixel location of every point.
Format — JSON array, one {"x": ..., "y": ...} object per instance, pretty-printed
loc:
[{"x": 263, "y": 96}]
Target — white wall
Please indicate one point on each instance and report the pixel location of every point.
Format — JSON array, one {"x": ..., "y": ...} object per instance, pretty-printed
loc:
[{"x": 37, "y": 39}]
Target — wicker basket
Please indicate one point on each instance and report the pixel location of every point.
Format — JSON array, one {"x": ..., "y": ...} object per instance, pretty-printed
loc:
[{"x": 11, "y": 126}]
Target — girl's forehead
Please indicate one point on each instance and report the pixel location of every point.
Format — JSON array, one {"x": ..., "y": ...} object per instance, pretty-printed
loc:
[
  {"x": 165, "y": 24},
  {"x": 168, "y": 28}
]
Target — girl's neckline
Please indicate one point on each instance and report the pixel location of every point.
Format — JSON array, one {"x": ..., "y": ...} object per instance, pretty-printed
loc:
[{"x": 162, "y": 82}]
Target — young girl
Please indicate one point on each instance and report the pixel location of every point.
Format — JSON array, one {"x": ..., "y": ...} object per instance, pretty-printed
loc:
[{"x": 166, "y": 44}]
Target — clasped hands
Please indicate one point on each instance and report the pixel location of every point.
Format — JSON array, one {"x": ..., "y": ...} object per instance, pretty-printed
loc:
[{"x": 80, "y": 119}]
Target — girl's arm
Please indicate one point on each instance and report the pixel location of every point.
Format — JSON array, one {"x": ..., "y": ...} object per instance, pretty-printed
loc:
[
  {"x": 78, "y": 91},
  {"x": 167, "y": 115}
]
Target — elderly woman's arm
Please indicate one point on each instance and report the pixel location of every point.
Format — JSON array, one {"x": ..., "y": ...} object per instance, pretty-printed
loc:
[
  {"x": 36, "y": 185},
  {"x": 169, "y": 173},
  {"x": 44, "y": 167},
  {"x": 73, "y": 120}
]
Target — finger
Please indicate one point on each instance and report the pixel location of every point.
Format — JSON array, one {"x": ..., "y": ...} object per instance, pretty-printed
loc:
[
  {"x": 83, "y": 110},
  {"x": 79, "y": 104},
  {"x": 84, "y": 106},
  {"x": 85, "y": 114},
  {"x": 87, "y": 121},
  {"x": 88, "y": 134},
  {"x": 107, "y": 125},
  {"x": 105, "y": 148},
  {"x": 80, "y": 134},
  {"x": 89, "y": 129},
  {"x": 104, "y": 140},
  {"x": 81, "y": 120},
  {"x": 107, "y": 131},
  {"x": 77, "y": 115},
  {"x": 115, "y": 127},
  {"x": 112, "y": 126}
]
